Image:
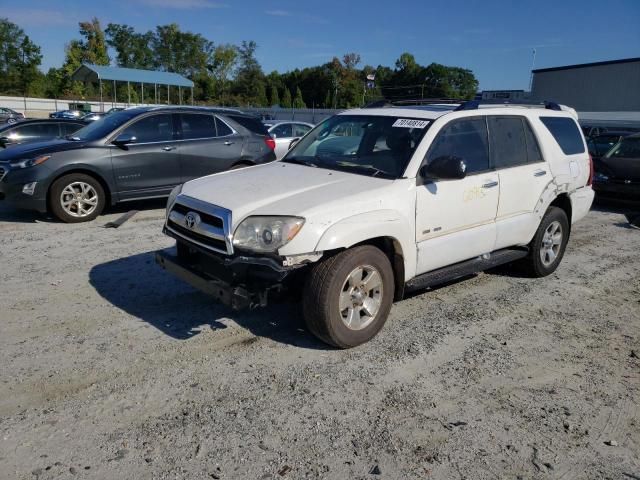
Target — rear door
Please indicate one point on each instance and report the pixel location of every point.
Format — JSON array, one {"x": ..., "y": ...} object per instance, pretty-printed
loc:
[
  {"x": 523, "y": 174},
  {"x": 207, "y": 145},
  {"x": 150, "y": 166},
  {"x": 455, "y": 219},
  {"x": 623, "y": 162}
]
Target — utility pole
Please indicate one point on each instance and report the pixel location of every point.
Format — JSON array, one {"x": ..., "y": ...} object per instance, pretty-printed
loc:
[{"x": 533, "y": 64}]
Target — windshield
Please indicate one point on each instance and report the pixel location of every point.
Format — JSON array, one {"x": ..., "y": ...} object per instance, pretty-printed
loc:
[
  {"x": 104, "y": 126},
  {"x": 379, "y": 146},
  {"x": 627, "y": 148}
]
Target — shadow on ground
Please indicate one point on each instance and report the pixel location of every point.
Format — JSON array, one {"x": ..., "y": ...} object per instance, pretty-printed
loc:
[
  {"x": 9, "y": 213},
  {"x": 141, "y": 288}
]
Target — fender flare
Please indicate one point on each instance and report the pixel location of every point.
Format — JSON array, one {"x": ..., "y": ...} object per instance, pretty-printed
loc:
[{"x": 374, "y": 224}]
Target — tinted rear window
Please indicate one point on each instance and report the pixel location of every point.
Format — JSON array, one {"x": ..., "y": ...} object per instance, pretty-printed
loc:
[
  {"x": 252, "y": 124},
  {"x": 566, "y": 133}
]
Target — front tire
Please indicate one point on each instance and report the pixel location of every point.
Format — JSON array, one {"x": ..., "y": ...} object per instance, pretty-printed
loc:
[
  {"x": 548, "y": 245},
  {"x": 76, "y": 198},
  {"x": 347, "y": 298}
]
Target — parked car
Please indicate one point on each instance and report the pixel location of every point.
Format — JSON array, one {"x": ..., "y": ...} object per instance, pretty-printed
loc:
[
  {"x": 373, "y": 203},
  {"x": 134, "y": 154},
  {"x": 115, "y": 109},
  {"x": 600, "y": 144},
  {"x": 93, "y": 116},
  {"x": 618, "y": 171},
  {"x": 29, "y": 131},
  {"x": 284, "y": 132},
  {"x": 8, "y": 115},
  {"x": 68, "y": 114}
]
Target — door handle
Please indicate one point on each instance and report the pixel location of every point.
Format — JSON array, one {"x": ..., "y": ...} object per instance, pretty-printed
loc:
[
  {"x": 228, "y": 143},
  {"x": 490, "y": 184},
  {"x": 539, "y": 173},
  {"x": 168, "y": 148}
]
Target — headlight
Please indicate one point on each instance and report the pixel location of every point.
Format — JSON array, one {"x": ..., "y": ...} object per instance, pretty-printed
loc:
[
  {"x": 266, "y": 234},
  {"x": 172, "y": 197},
  {"x": 31, "y": 162}
]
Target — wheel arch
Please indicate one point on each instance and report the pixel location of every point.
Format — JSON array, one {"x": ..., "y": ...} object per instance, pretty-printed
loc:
[{"x": 563, "y": 202}]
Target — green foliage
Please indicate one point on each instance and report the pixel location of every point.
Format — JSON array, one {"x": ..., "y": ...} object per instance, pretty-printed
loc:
[
  {"x": 222, "y": 74},
  {"x": 286, "y": 99},
  {"x": 19, "y": 59}
]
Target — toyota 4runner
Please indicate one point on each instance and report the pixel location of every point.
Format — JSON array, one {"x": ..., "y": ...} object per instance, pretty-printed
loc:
[{"x": 376, "y": 202}]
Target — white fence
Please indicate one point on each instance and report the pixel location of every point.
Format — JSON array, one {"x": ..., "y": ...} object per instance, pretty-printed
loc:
[{"x": 41, "y": 107}]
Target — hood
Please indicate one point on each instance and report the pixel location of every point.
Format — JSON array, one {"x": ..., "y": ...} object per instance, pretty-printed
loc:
[
  {"x": 280, "y": 188},
  {"x": 26, "y": 150}
]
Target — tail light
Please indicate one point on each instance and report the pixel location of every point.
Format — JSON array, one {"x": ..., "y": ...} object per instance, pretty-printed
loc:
[
  {"x": 591, "y": 172},
  {"x": 271, "y": 143}
]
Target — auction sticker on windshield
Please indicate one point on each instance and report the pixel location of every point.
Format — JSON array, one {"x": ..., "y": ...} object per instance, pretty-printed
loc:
[{"x": 410, "y": 123}]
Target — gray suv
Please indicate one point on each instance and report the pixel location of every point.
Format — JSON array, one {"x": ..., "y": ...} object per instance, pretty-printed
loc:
[{"x": 133, "y": 154}]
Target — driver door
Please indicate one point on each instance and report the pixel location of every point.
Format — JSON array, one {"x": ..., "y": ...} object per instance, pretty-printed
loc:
[{"x": 455, "y": 219}]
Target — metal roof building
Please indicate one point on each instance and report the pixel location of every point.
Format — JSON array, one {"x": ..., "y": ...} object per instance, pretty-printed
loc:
[
  {"x": 99, "y": 73},
  {"x": 611, "y": 86}
]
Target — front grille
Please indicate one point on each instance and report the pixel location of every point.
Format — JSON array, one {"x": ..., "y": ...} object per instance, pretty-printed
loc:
[
  {"x": 210, "y": 219},
  {"x": 218, "y": 245},
  {"x": 211, "y": 229}
]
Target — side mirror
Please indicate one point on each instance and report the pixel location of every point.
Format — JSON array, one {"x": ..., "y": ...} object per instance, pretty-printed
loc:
[
  {"x": 444, "y": 168},
  {"x": 293, "y": 143},
  {"x": 123, "y": 140}
]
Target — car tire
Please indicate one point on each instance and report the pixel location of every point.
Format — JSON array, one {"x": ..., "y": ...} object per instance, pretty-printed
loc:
[
  {"x": 347, "y": 298},
  {"x": 76, "y": 198},
  {"x": 11, "y": 120},
  {"x": 548, "y": 245}
]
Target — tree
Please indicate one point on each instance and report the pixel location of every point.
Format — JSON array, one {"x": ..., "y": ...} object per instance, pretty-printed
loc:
[
  {"x": 286, "y": 99},
  {"x": 224, "y": 61},
  {"x": 133, "y": 50},
  {"x": 249, "y": 81},
  {"x": 94, "y": 46},
  {"x": 298, "y": 102},
  {"x": 19, "y": 59},
  {"x": 275, "y": 98},
  {"x": 181, "y": 52}
]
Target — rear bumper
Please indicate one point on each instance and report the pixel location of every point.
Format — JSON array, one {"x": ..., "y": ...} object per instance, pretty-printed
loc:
[{"x": 581, "y": 201}]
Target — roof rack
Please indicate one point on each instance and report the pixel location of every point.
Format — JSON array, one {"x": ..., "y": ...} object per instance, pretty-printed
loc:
[
  {"x": 475, "y": 104},
  {"x": 413, "y": 102}
]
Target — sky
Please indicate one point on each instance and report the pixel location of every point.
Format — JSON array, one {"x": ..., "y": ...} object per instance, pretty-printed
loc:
[{"x": 493, "y": 38}]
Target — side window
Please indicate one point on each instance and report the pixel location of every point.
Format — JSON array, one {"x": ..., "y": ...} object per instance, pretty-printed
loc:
[
  {"x": 300, "y": 130},
  {"x": 508, "y": 144},
  {"x": 566, "y": 133},
  {"x": 36, "y": 130},
  {"x": 533, "y": 148},
  {"x": 198, "y": 126},
  {"x": 282, "y": 131},
  {"x": 69, "y": 128},
  {"x": 223, "y": 128},
  {"x": 466, "y": 138},
  {"x": 156, "y": 128}
]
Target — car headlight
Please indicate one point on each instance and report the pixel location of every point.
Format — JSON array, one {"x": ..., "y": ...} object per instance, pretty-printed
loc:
[
  {"x": 599, "y": 177},
  {"x": 266, "y": 234},
  {"x": 172, "y": 197},
  {"x": 31, "y": 162}
]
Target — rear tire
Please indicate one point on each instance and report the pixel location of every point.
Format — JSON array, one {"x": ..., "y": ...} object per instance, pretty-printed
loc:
[
  {"x": 347, "y": 298},
  {"x": 548, "y": 245},
  {"x": 76, "y": 198}
]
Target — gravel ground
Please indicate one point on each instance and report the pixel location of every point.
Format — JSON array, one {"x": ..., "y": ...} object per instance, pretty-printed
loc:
[{"x": 111, "y": 368}]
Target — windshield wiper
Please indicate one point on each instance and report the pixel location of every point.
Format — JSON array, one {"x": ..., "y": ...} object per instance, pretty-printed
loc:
[{"x": 299, "y": 161}]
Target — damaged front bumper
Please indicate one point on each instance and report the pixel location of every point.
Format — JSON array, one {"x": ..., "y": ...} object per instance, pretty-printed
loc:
[{"x": 236, "y": 281}]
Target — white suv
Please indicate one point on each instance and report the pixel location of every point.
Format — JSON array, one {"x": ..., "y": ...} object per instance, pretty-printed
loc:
[{"x": 375, "y": 202}]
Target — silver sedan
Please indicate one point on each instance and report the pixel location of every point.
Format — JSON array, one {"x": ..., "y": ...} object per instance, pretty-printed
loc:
[{"x": 284, "y": 132}]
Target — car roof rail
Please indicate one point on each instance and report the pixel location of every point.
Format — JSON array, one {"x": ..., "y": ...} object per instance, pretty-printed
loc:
[
  {"x": 411, "y": 102},
  {"x": 475, "y": 104}
]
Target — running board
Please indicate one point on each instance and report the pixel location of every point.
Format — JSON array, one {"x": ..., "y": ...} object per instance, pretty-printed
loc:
[{"x": 468, "y": 267}]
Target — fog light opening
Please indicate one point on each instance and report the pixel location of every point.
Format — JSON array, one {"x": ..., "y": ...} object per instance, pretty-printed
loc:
[{"x": 29, "y": 188}]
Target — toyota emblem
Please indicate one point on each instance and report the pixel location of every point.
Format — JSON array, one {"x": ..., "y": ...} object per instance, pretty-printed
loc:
[{"x": 191, "y": 220}]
